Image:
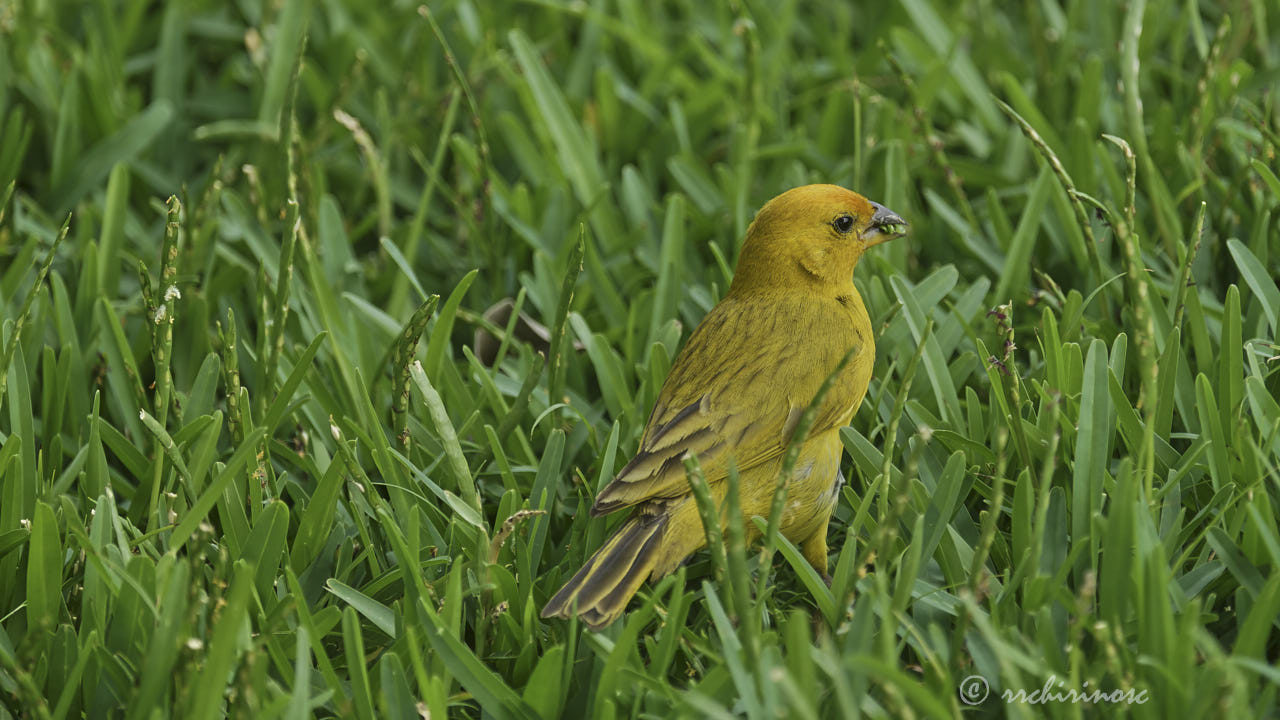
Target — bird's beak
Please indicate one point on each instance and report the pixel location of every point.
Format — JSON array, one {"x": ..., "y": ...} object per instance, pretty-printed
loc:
[{"x": 885, "y": 225}]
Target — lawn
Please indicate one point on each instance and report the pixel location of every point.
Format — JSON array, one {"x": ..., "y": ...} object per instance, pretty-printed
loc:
[{"x": 254, "y": 461}]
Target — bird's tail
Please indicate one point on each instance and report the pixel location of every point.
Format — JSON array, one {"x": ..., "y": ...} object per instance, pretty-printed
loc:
[{"x": 599, "y": 593}]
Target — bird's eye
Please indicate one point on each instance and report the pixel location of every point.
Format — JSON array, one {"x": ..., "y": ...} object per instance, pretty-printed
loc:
[{"x": 843, "y": 224}]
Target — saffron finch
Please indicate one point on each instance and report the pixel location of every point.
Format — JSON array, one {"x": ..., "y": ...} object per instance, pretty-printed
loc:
[{"x": 736, "y": 392}]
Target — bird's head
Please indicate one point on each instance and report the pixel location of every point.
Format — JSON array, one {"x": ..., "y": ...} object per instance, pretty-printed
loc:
[{"x": 812, "y": 235}]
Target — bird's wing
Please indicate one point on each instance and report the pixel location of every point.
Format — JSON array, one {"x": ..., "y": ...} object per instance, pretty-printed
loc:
[{"x": 736, "y": 393}]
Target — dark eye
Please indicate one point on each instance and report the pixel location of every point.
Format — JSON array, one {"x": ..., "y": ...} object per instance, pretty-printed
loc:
[{"x": 843, "y": 224}]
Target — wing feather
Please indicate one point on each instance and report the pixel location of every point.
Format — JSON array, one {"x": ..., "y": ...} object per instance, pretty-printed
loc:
[{"x": 713, "y": 403}]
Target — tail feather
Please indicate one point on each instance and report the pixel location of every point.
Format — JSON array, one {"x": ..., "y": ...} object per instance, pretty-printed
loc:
[{"x": 600, "y": 591}]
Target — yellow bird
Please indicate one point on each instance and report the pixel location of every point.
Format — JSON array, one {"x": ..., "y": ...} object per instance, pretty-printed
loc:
[{"x": 736, "y": 392}]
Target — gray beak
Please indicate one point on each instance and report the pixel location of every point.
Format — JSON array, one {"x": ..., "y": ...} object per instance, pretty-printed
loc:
[{"x": 885, "y": 225}]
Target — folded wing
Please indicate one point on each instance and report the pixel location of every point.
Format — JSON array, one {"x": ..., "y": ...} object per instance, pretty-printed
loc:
[{"x": 736, "y": 393}]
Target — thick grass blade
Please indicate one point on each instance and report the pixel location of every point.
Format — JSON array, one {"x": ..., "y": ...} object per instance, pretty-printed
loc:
[
  {"x": 44, "y": 570},
  {"x": 448, "y": 437},
  {"x": 225, "y": 648},
  {"x": 1259, "y": 281}
]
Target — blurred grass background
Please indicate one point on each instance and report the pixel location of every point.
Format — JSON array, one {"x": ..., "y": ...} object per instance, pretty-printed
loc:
[{"x": 250, "y": 464}]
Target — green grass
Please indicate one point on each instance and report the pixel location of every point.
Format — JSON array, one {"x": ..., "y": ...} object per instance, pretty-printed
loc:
[{"x": 251, "y": 465}]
